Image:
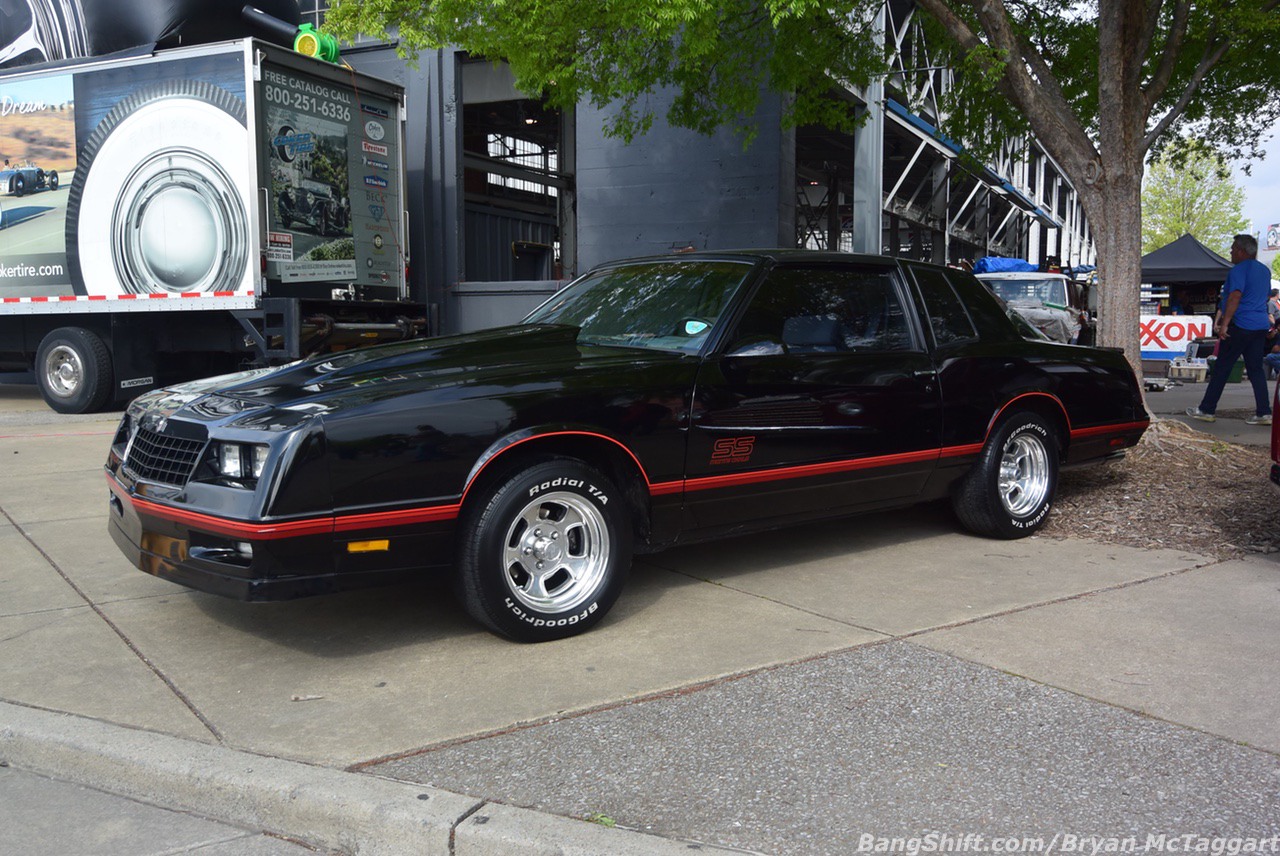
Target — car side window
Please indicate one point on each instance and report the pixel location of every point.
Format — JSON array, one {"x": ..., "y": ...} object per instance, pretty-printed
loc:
[
  {"x": 948, "y": 319},
  {"x": 827, "y": 310}
]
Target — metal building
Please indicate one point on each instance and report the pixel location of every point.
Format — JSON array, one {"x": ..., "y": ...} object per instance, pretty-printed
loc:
[{"x": 509, "y": 198}]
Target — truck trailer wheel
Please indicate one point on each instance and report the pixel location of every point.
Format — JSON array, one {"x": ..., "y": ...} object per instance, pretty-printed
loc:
[
  {"x": 73, "y": 368},
  {"x": 159, "y": 200}
]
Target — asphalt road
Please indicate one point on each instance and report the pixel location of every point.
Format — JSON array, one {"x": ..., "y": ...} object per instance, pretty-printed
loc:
[{"x": 792, "y": 692}]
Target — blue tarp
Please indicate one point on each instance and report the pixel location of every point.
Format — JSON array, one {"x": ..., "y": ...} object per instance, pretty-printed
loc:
[{"x": 998, "y": 264}]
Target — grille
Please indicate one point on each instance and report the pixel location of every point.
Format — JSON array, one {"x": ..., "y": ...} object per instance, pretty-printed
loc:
[{"x": 160, "y": 458}]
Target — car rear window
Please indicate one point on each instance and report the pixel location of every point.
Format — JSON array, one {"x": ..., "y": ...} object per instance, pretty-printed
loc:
[{"x": 948, "y": 319}]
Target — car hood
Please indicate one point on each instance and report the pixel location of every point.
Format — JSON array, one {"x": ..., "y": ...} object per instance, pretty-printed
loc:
[{"x": 533, "y": 355}]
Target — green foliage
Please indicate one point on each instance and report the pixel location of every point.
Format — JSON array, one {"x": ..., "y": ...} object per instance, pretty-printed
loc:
[
  {"x": 716, "y": 57},
  {"x": 1189, "y": 190},
  {"x": 1275, "y": 268}
]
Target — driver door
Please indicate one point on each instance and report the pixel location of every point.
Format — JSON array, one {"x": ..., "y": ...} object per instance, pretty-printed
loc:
[{"x": 823, "y": 401}]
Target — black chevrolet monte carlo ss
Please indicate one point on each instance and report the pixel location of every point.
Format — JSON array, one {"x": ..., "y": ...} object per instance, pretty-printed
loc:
[{"x": 648, "y": 403}]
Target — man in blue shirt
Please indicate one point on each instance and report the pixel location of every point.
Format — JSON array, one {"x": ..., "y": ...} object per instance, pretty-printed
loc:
[{"x": 1242, "y": 331}]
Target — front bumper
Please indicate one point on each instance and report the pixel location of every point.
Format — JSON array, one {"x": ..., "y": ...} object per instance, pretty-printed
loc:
[{"x": 239, "y": 559}]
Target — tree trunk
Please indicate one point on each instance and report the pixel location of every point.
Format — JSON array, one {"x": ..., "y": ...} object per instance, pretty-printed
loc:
[{"x": 1114, "y": 208}]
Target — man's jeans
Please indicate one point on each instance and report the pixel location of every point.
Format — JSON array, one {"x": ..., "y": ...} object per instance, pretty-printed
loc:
[{"x": 1247, "y": 343}]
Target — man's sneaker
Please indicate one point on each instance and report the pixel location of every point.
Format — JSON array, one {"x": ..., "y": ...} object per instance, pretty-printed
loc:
[
  {"x": 1259, "y": 420},
  {"x": 1197, "y": 413}
]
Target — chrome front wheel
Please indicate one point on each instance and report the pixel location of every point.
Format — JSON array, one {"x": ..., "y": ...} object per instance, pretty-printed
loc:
[
  {"x": 544, "y": 551},
  {"x": 556, "y": 552}
]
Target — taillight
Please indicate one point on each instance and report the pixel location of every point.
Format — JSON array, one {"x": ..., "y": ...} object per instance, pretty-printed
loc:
[{"x": 1275, "y": 425}]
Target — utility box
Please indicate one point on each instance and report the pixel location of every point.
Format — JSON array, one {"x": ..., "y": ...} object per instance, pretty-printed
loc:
[{"x": 181, "y": 212}]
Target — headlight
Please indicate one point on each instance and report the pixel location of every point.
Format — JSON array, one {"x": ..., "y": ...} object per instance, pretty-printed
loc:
[{"x": 241, "y": 460}]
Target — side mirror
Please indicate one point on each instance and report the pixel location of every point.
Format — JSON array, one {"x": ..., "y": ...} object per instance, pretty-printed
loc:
[{"x": 757, "y": 346}]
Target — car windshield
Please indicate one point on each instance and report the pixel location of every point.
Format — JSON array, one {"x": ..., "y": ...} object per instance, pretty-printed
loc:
[
  {"x": 669, "y": 306},
  {"x": 1049, "y": 291}
]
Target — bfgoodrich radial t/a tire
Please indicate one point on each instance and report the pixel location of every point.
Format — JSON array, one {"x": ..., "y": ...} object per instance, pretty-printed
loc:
[
  {"x": 545, "y": 553},
  {"x": 1010, "y": 489},
  {"x": 158, "y": 203}
]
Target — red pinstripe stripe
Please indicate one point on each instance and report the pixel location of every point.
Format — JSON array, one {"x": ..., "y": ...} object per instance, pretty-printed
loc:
[
  {"x": 289, "y": 528},
  {"x": 644, "y": 475},
  {"x": 330, "y": 524},
  {"x": 808, "y": 470},
  {"x": 1107, "y": 429},
  {"x": 405, "y": 517}
]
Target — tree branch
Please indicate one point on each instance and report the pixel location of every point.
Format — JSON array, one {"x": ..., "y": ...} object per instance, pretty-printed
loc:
[
  {"x": 1212, "y": 54},
  {"x": 1159, "y": 82},
  {"x": 1050, "y": 115}
]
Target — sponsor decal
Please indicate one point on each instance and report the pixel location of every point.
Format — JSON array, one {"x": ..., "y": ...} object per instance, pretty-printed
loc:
[
  {"x": 732, "y": 450},
  {"x": 137, "y": 381},
  {"x": 376, "y": 164},
  {"x": 290, "y": 143},
  {"x": 376, "y": 196},
  {"x": 1171, "y": 334},
  {"x": 375, "y": 181},
  {"x": 374, "y": 130},
  {"x": 377, "y": 243},
  {"x": 308, "y": 87},
  {"x": 375, "y": 111},
  {"x": 377, "y": 211},
  {"x": 373, "y": 149},
  {"x": 279, "y": 247},
  {"x": 318, "y": 271},
  {"x": 374, "y": 227}
]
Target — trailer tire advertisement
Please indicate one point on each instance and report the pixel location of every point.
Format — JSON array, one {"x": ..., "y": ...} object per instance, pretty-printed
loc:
[
  {"x": 158, "y": 191},
  {"x": 187, "y": 212}
]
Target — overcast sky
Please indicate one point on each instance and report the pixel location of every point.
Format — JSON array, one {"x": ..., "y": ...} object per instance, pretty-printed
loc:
[{"x": 1262, "y": 188}]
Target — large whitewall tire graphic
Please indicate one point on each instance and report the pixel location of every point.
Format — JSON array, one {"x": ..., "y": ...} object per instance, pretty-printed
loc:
[{"x": 158, "y": 203}]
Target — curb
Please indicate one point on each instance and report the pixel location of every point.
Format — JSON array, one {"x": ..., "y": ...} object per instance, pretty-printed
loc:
[{"x": 351, "y": 813}]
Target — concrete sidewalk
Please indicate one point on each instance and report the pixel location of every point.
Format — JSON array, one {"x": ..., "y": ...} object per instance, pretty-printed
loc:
[
  {"x": 783, "y": 693},
  {"x": 34, "y": 812}
]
